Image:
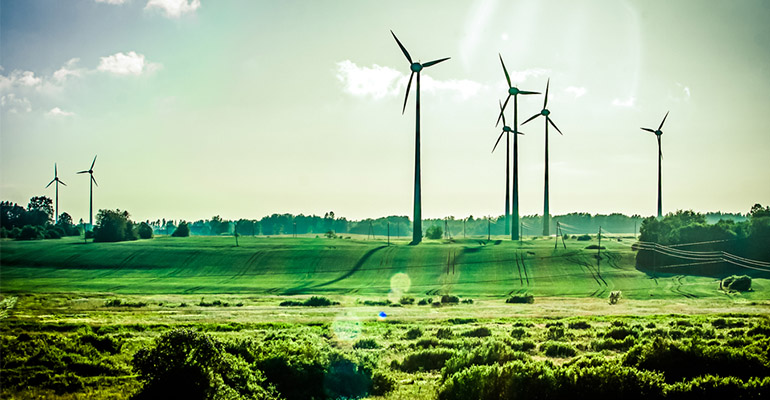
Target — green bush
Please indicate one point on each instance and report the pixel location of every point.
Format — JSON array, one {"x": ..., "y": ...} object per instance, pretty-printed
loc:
[
  {"x": 369, "y": 343},
  {"x": 183, "y": 230},
  {"x": 406, "y": 300},
  {"x": 613, "y": 344},
  {"x": 315, "y": 301},
  {"x": 413, "y": 333},
  {"x": 522, "y": 345},
  {"x": 738, "y": 283},
  {"x": 382, "y": 383},
  {"x": 481, "y": 331},
  {"x": 30, "y": 232},
  {"x": 426, "y": 360},
  {"x": 191, "y": 365},
  {"x": 449, "y": 299},
  {"x": 521, "y": 299},
  {"x": 584, "y": 238},
  {"x": 444, "y": 333},
  {"x": 144, "y": 231},
  {"x": 434, "y": 232},
  {"x": 579, "y": 325},
  {"x": 113, "y": 226},
  {"x": 489, "y": 353},
  {"x": 715, "y": 387},
  {"x": 558, "y": 349},
  {"x": 518, "y": 333}
]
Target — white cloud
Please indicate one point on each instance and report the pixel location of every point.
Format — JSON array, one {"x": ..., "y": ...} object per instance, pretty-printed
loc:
[
  {"x": 624, "y": 103},
  {"x": 687, "y": 91},
  {"x": 14, "y": 104},
  {"x": 379, "y": 82},
  {"x": 112, "y": 1},
  {"x": 375, "y": 81},
  {"x": 174, "y": 8},
  {"x": 521, "y": 76},
  {"x": 126, "y": 64},
  {"x": 576, "y": 91},
  {"x": 69, "y": 69},
  {"x": 58, "y": 112}
]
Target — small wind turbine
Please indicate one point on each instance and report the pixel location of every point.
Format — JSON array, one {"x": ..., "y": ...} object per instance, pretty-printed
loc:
[
  {"x": 658, "y": 132},
  {"x": 90, "y": 171},
  {"x": 515, "y": 92},
  {"x": 416, "y": 67},
  {"x": 545, "y": 113},
  {"x": 507, "y": 131},
  {"x": 58, "y": 181}
]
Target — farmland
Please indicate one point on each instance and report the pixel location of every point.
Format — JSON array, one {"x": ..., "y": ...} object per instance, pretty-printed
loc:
[{"x": 100, "y": 303}]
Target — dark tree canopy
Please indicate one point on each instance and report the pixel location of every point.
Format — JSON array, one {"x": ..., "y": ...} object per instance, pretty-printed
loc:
[{"x": 114, "y": 226}]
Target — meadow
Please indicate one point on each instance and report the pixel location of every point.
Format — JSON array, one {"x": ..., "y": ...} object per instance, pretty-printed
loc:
[{"x": 84, "y": 320}]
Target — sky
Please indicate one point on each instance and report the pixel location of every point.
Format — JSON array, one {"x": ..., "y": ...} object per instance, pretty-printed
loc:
[{"x": 241, "y": 109}]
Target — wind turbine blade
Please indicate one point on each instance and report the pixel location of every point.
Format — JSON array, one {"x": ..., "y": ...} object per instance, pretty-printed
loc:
[
  {"x": 61, "y": 182},
  {"x": 406, "y": 53},
  {"x": 527, "y": 92},
  {"x": 406, "y": 97},
  {"x": 49, "y": 183},
  {"x": 664, "y": 120},
  {"x": 55, "y": 172},
  {"x": 92, "y": 164},
  {"x": 545, "y": 103},
  {"x": 83, "y": 172},
  {"x": 647, "y": 129},
  {"x": 498, "y": 141},
  {"x": 502, "y": 110},
  {"x": 434, "y": 62},
  {"x": 554, "y": 125},
  {"x": 507, "y": 78},
  {"x": 520, "y": 132},
  {"x": 94, "y": 179},
  {"x": 531, "y": 118},
  {"x": 660, "y": 149}
]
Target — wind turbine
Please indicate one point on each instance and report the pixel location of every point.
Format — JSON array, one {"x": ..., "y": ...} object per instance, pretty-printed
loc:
[
  {"x": 507, "y": 131},
  {"x": 90, "y": 171},
  {"x": 658, "y": 132},
  {"x": 58, "y": 181},
  {"x": 515, "y": 92},
  {"x": 545, "y": 113},
  {"x": 416, "y": 67}
]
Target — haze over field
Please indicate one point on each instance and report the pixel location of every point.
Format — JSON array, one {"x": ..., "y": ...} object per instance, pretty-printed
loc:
[{"x": 246, "y": 108}]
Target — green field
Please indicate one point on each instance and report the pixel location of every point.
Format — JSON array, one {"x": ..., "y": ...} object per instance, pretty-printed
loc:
[{"x": 474, "y": 268}]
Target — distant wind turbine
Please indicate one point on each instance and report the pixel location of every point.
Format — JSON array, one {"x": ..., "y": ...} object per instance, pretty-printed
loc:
[
  {"x": 416, "y": 67},
  {"x": 658, "y": 132},
  {"x": 545, "y": 113},
  {"x": 90, "y": 171},
  {"x": 515, "y": 92},
  {"x": 57, "y": 181},
  {"x": 507, "y": 131}
]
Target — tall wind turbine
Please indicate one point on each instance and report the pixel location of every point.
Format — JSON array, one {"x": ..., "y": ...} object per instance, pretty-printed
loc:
[
  {"x": 658, "y": 132},
  {"x": 416, "y": 67},
  {"x": 515, "y": 92},
  {"x": 545, "y": 113},
  {"x": 90, "y": 171},
  {"x": 507, "y": 131},
  {"x": 57, "y": 181}
]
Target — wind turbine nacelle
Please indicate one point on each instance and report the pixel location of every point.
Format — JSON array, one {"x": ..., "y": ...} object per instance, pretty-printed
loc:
[
  {"x": 416, "y": 67},
  {"x": 545, "y": 112},
  {"x": 513, "y": 91},
  {"x": 507, "y": 129},
  {"x": 658, "y": 132}
]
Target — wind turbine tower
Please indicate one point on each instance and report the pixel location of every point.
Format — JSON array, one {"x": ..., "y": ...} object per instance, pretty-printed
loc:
[
  {"x": 57, "y": 181},
  {"x": 90, "y": 171},
  {"x": 416, "y": 68},
  {"x": 659, "y": 132}
]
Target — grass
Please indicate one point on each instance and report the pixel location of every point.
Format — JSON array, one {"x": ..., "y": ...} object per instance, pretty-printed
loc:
[{"x": 289, "y": 266}]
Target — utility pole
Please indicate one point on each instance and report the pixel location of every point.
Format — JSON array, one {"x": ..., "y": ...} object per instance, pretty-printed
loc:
[
  {"x": 634, "y": 229},
  {"x": 388, "y": 233},
  {"x": 489, "y": 228},
  {"x": 295, "y": 229},
  {"x": 235, "y": 233},
  {"x": 464, "y": 219}
]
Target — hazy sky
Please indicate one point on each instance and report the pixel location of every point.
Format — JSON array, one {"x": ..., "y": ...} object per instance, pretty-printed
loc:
[{"x": 246, "y": 108}]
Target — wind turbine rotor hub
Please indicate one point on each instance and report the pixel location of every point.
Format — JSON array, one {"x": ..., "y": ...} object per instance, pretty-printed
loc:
[
  {"x": 545, "y": 112},
  {"x": 513, "y": 91},
  {"x": 658, "y": 132},
  {"x": 416, "y": 67},
  {"x": 507, "y": 129}
]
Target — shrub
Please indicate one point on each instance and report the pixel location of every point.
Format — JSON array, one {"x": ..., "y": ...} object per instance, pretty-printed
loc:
[
  {"x": 738, "y": 283},
  {"x": 523, "y": 345},
  {"x": 434, "y": 232},
  {"x": 467, "y": 301},
  {"x": 518, "y": 333},
  {"x": 54, "y": 232},
  {"x": 584, "y": 238},
  {"x": 426, "y": 360},
  {"x": 444, "y": 333},
  {"x": 521, "y": 299},
  {"x": 192, "y": 365},
  {"x": 613, "y": 344},
  {"x": 449, "y": 299},
  {"x": 369, "y": 343},
  {"x": 406, "y": 300},
  {"x": 120, "y": 303},
  {"x": 579, "y": 325},
  {"x": 413, "y": 333},
  {"x": 492, "y": 353},
  {"x": 315, "y": 301},
  {"x": 144, "y": 231},
  {"x": 481, "y": 331},
  {"x": 594, "y": 247},
  {"x": 183, "y": 230},
  {"x": 620, "y": 333},
  {"x": 382, "y": 383},
  {"x": 555, "y": 333},
  {"x": 30, "y": 232},
  {"x": 558, "y": 349}
]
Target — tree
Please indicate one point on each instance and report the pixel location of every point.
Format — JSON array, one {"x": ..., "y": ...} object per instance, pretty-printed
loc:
[
  {"x": 434, "y": 232},
  {"x": 144, "y": 230},
  {"x": 39, "y": 211},
  {"x": 11, "y": 215},
  {"x": 218, "y": 225},
  {"x": 183, "y": 230},
  {"x": 113, "y": 226}
]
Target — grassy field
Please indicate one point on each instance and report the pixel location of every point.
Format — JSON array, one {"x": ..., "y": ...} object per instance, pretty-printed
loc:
[
  {"x": 369, "y": 268},
  {"x": 74, "y": 316}
]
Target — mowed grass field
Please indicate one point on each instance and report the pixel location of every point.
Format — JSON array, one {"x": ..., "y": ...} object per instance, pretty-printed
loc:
[{"x": 474, "y": 268}]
